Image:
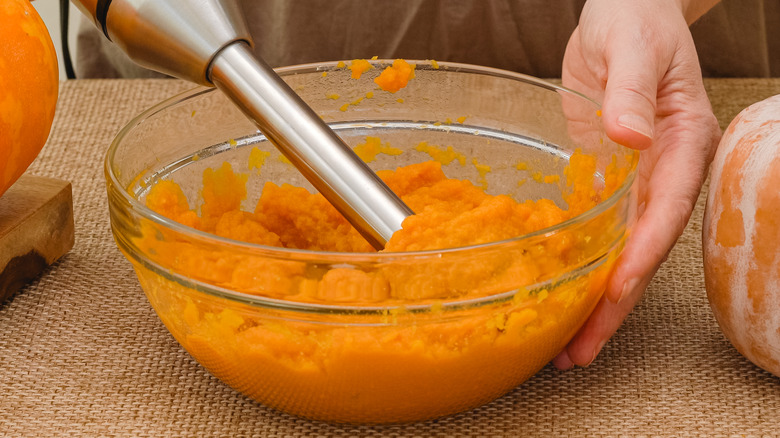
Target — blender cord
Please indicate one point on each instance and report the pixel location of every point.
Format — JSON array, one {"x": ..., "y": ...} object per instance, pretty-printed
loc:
[{"x": 64, "y": 24}]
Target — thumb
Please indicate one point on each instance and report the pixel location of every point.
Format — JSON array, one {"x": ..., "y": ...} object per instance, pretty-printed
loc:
[{"x": 630, "y": 96}]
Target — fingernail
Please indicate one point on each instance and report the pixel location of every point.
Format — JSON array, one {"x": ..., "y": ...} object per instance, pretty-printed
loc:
[
  {"x": 636, "y": 123},
  {"x": 596, "y": 352},
  {"x": 628, "y": 287}
]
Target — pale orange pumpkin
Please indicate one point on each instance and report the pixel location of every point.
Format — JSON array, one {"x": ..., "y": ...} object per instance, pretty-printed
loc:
[
  {"x": 741, "y": 234},
  {"x": 29, "y": 82}
]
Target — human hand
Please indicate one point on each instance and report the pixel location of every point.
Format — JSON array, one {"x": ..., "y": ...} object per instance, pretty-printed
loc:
[{"x": 638, "y": 58}]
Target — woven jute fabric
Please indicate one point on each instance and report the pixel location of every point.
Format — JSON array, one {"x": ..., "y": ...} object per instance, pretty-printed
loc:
[{"x": 82, "y": 353}]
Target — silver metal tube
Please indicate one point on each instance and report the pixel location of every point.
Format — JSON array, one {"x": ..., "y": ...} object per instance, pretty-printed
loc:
[
  {"x": 207, "y": 41},
  {"x": 318, "y": 153},
  {"x": 176, "y": 37}
]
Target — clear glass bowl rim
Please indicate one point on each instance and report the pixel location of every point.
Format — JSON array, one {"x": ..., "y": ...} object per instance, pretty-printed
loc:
[{"x": 339, "y": 257}]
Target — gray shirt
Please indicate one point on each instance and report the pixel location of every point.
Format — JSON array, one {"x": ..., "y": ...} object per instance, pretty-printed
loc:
[{"x": 737, "y": 38}]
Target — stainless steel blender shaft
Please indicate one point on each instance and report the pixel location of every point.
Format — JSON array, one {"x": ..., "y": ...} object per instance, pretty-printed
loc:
[
  {"x": 207, "y": 42},
  {"x": 317, "y": 152}
]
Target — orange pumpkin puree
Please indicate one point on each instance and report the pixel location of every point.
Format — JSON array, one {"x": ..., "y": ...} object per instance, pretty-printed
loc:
[
  {"x": 400, "y": 366},
  {"x": 358, "y": 67},
  {"x": 396, "y": 76}
]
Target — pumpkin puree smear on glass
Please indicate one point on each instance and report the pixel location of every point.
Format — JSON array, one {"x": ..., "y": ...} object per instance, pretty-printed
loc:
[{"x": 336, "y": 363}]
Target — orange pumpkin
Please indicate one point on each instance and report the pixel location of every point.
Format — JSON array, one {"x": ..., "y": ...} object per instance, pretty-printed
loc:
[
  {"x": 29, "y": 81},
  {"x": 741, "y": 235}
]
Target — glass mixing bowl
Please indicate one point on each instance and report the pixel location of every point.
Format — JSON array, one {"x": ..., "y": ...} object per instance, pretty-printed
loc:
[{"x": 303, "y": 331}]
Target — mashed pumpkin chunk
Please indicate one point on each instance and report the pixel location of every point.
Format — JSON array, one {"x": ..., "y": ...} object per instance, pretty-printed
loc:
[
  {"x": 396, "y": 76},
  {"x": 358, "y": 67}
]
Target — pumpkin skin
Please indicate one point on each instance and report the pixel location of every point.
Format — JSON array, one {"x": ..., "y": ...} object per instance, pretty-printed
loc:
[
  {"x": 741, "y": 234},
  {"x": 29, "y": 82}
]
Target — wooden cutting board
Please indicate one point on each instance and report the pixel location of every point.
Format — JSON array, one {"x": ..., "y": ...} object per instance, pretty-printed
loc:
[{"x": 36, "y": 229}]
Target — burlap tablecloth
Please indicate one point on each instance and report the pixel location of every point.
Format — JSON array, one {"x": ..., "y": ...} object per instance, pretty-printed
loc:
[{"x": 83, "y": 354}]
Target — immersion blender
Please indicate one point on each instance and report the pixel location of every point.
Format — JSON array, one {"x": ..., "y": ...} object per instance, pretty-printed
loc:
[{"x": 208, "y": 42}]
